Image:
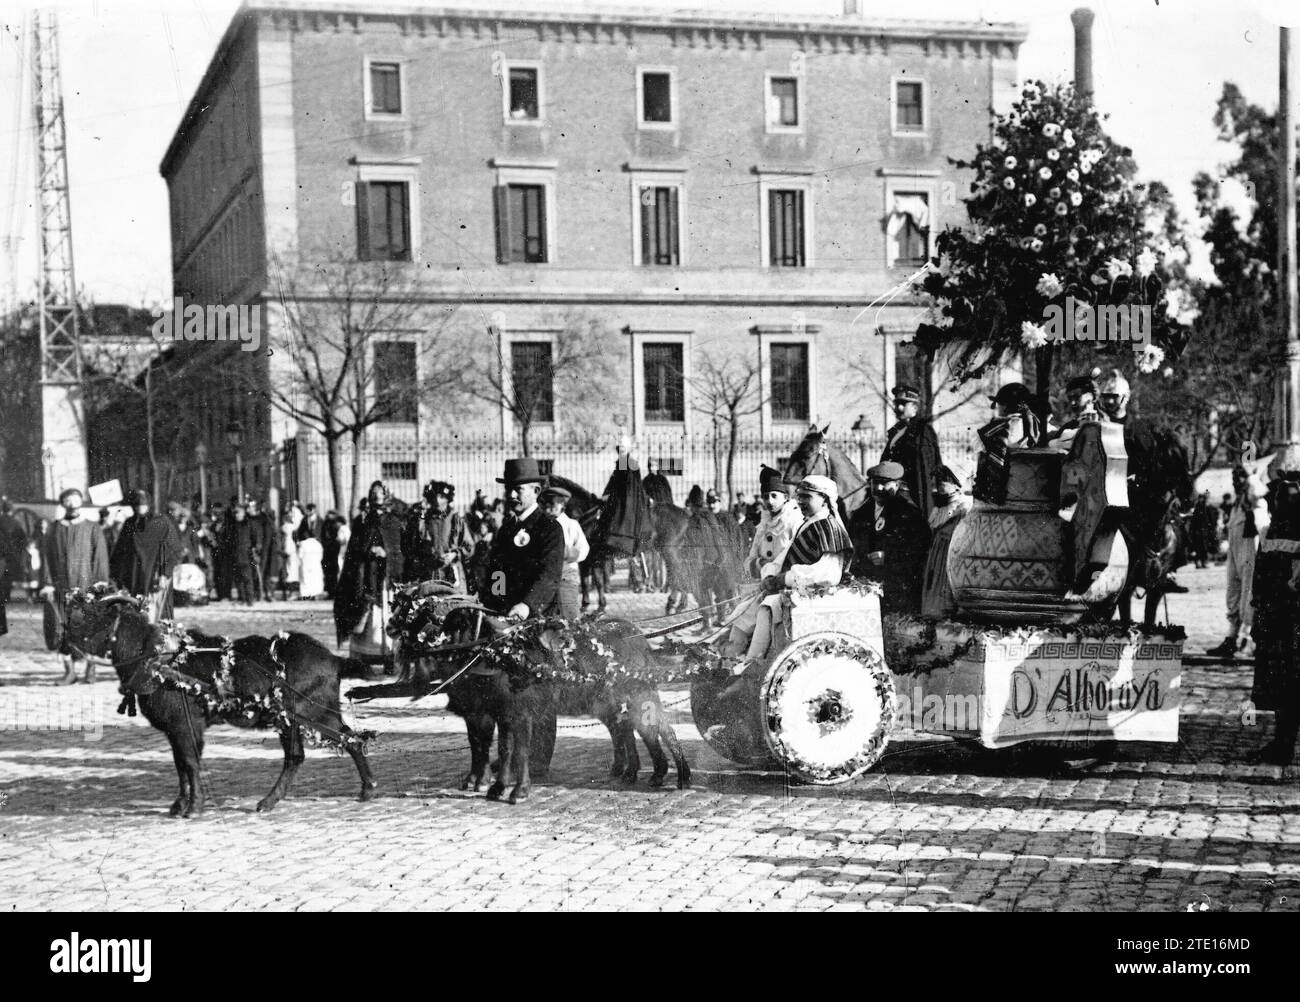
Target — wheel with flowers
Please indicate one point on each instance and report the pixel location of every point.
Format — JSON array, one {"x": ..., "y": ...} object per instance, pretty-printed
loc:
[{"x": 828, "y": 707}]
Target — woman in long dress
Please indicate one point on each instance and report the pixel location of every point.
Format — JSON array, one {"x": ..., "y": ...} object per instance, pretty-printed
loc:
[
  {"x": 289, "y": 547},
  {"x": 311, "y": 571}
]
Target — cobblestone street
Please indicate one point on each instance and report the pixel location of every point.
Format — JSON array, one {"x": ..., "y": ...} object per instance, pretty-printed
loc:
[{"x": 937, "y": 825}]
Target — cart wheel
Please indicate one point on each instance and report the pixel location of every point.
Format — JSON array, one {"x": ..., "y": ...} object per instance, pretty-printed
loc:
[
  {"x": 734, "y": 732},
  {"x": 829, "y": 707}
]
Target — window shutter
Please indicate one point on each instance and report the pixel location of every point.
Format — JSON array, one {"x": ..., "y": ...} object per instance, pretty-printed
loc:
[
  {"x": 501, "y": 194},
  {"x": 363, "y": 221}
]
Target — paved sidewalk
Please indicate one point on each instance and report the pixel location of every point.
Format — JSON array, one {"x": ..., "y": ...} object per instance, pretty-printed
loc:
[{"x": 937, "y": 825}]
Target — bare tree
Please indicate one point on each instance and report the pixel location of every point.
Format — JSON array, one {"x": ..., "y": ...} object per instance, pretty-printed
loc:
[
  {"x": 337, "y": 316},
  {"x": 929, "y": 371},
  {"x": 728, "y": 391},
  {"x": 567, "y": 372}
]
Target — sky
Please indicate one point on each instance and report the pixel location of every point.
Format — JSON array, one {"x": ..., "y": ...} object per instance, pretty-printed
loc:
[{"x": 130, "y": 67}]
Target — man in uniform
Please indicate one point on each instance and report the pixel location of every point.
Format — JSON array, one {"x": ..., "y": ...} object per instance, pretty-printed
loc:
[
  {"x": 891, "y": 540},
  {"x": 576, "y": 548},
  {"x": 1276, "y": 596},
  {"x": 913, "y": 444}
]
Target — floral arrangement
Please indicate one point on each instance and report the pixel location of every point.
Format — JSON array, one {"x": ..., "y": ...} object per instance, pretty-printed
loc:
[{"x": 1055, "y": 212}]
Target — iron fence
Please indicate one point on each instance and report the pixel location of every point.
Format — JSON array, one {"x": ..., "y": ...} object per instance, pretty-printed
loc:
[{"x": 472, "y": 463}]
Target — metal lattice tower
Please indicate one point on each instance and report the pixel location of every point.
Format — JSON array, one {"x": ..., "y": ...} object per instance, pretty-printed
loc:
[{"x": 63, "y": 421}]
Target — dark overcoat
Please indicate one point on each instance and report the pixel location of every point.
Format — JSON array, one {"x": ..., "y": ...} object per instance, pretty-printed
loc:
[
  {"x": 525, "y": 564},
  {"x": 362, "y": 580}
]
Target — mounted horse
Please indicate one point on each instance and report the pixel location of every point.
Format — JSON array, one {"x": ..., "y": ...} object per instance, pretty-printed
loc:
[
  {"x": 183, "y": 682},
  {"x": 818, "y": 456}
]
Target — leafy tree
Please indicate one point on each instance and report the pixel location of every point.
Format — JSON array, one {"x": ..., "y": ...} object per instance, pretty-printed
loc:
[{"x": 1055, "y": 212}]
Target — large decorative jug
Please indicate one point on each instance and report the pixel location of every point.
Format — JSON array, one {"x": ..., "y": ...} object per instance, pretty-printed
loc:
[{"x": 1020, "y": 559}]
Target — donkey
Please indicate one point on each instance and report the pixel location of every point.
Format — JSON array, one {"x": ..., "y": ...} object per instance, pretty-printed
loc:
[
  {"x": 521, "y": 709},
  {"x": 114, "y": 627}
]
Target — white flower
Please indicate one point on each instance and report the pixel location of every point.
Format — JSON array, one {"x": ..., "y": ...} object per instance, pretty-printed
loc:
[
  {"x": 1067, "y": 137},
  {"x": 1085, "y": 167},
  {"x": 1098, "y": 278},
  {"x": 1033, "y": 335},
  {"x": 1054, "y": 193},
  {"x": 1053, "y": 155},
  {"x": 1049, "y": 286},
  {"x": 1061, "y": 210},
  {"x": 1030, "y": 200},
  {"x": 1119, "y": 268},
  {"x": 1146, "y": 262},
  {"x": 1051, "y": 130},
  {"x": 1151, "y": 358},
  {"x": 1040, "y": 230},
  {"x": 1010, "y": 163},
  {"x": 1072, "y": 174},
  {"x": 1009, "y": 183},
  {"x": 1075, "y": 198},
  {"x": 1044, "y": 173},
  {"x": 1035, "y": 245}
]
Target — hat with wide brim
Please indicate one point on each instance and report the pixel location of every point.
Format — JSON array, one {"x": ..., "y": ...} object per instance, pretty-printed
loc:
[{"x": 522, "y": 471}]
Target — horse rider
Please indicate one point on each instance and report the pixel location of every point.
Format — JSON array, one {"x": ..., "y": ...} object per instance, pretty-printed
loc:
[
  {"x": 912, "y": 443},
  {"x": 891, "y": 540},
  {"x": 553, "y": 500}
]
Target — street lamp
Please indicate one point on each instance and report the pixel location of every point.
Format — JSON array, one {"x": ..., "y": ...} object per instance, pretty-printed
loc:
[
  {"x": 201, "y": 457},
  {"x": 861, "y": 435},
  {"x": 235, "y": 436}
]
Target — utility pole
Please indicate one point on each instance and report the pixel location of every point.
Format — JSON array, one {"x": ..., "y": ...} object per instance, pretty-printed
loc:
[
  {"x": 1286, "y": 431},
  {"x": 63, "y": 425}
]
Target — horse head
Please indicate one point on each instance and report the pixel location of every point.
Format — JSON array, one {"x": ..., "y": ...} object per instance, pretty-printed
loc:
[{"x": 808, "y": 456}]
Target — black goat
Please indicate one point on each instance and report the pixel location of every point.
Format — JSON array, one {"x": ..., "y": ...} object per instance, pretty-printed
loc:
[{"x": 290, "y": 682}]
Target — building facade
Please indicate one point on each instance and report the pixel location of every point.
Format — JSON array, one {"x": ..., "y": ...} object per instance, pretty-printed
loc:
[{"x": 713, "y": 200}]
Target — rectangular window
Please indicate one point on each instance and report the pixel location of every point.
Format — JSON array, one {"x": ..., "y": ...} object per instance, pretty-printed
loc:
[
  {"x": 783, "y": 102},
  {"x": 659, "y": 228},
  {"x": 386, "y": 88},
  {"x": 399, "y": 470},
  {"x": 521, "y": 217},
  {"x": 665, "y": 391},
  {"x": 785, "y": 228},
  {"x": 532, "y": 379},
  {"x": 656, "y": 97},
  {"x": 909, "y": 108},
  {"x": 523, "y": 103},
  {"x": 395, "y": 382},
  {"x": 789, "y": 382},
  {"x": 383, "y": 221},
  {"x": 907, "y": 231}
]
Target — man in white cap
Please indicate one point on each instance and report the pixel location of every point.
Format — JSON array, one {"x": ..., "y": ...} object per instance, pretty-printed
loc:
[{"x": 818, "y": 554}]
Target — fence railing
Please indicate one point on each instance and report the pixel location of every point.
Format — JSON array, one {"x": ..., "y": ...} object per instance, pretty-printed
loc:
[{"x": 471, "y": 463}]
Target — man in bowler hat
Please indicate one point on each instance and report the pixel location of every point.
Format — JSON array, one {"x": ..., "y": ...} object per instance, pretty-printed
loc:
[{"x": 527, "y": 558}]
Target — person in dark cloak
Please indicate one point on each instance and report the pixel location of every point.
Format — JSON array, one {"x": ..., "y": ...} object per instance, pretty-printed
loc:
[
  {"x": 624, "y": 525},
  {"x": 913, "y": 444},
  {"x": 146, "y": 551},
  {"x": 241, "y": 552},
  {"x": 372, "y": 564},
  {"x": 657, "y": 488}
]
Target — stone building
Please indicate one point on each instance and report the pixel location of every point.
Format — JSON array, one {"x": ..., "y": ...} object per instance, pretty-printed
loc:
[{"x": 700, "y": 192}]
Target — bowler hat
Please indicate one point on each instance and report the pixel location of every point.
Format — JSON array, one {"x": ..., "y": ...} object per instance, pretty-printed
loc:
[
  {"x": 888, "y": 470},
  {"x": 521, "y": 471}
]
